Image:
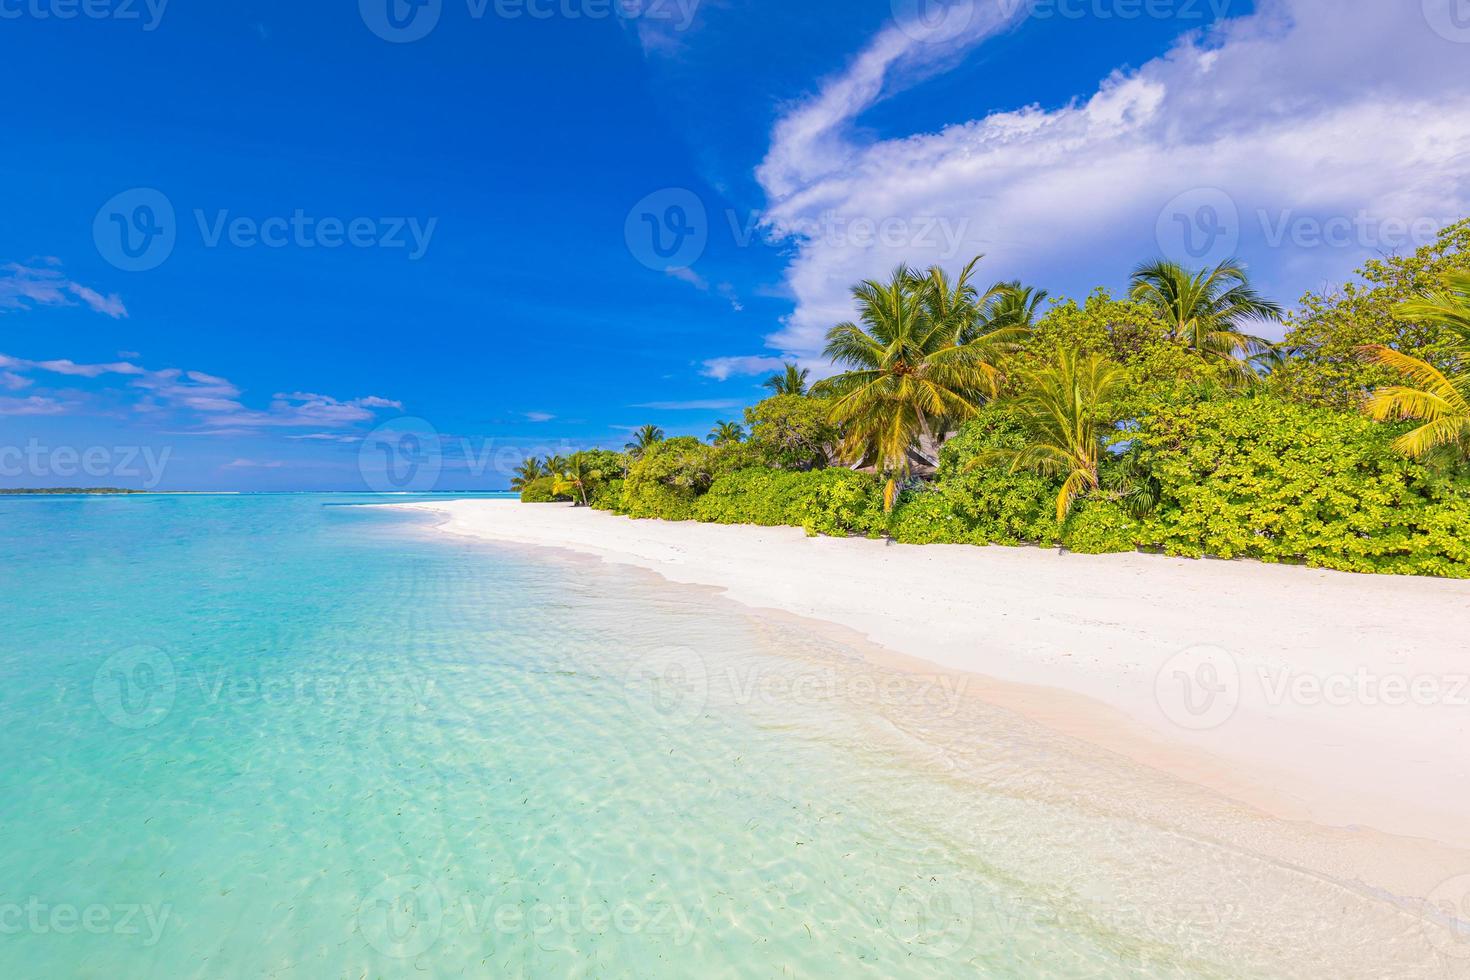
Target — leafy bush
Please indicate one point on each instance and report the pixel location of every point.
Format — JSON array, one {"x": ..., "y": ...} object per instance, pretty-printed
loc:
[
  {"x": 1267, "y": 479},
  {"x": 1325, "y": 338},
  {"x": 791, "y": 432},
  {"x": 986, "y": 505},
  {"x": 607, "y": 495},
  {"x": 671, "y": 475},
  {"x": 833, "y": 502},
  {"x": 1101, "y": 527},
  {"x": 542, "y": 491}
]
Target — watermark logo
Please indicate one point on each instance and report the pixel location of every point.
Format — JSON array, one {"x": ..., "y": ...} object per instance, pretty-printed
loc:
[
  {"x": 668, "y": 229},
  {"x": 40, "y": 461},
  {"x": 148, "y": 12},
  {"x": 403, "y": 917},
  {"x": 1450, "y": 19},
  {"x": 1199, "y": 688},
  {"x": 1448, "y": 925},
  {"x": 42, "y": 918},
  {"x": 934, "y": 916},
  {"x": 1199, "y": 227},
  {"x": 136, "y": 231},
  {"x": 401, "y": 21},
  {"x": 405, "y": 21},
  {"x": 402, "y": 456},
  {"x": 135, "y": 688},
  {"x": 938, "y": 21},
  {"x": 670, "y": 684}
]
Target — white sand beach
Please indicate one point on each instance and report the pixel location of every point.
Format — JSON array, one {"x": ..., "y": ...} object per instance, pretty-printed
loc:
[{"x": 1338, "y": 699}]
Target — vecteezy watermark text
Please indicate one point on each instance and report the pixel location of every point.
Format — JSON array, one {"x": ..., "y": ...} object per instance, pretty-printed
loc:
[
  {"x": 40, "y": 461},
  {"x": 137, "y": 231},
  {"x": 406, "y": 21},
  {"x": 1206, "y": 225},
  {"x": 670, "y": 229},
  {"x": 675, "y": 685},
  {"x": 1203, "y": 687},
  {"x": 149, "y": 13},
  {"x": 139, "y": 687},
  {"x": 42, "y": 918},
  {"x": 406, "y": 916}
]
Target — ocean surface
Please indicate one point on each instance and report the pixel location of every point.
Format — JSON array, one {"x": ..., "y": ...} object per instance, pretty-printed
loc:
[{"x": 294, "y": 736}]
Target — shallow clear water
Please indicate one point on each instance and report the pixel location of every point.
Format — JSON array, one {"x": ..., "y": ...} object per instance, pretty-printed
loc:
[{"x": 289, "y": 736}]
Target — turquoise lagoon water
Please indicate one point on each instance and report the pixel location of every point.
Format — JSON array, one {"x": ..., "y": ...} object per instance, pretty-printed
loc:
[{"x": 289, "y": 736}]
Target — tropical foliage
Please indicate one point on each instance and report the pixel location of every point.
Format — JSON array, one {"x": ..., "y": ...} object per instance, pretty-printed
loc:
[
  {"x": 1060, "y": 407},
  {"x": 725, "y": 433},
  {"x": 910, "y": 375},
  {"x": 792, "y": 381},
  {"x": 1440, "y": 399},
  {"x": 1160, "y": 421},
  {"x": 1208, "y": 311},
  {"x": 644, "y": 439}
]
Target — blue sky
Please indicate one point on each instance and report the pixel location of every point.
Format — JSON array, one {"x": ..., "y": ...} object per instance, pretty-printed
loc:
[{"x": 332, "y": 226}]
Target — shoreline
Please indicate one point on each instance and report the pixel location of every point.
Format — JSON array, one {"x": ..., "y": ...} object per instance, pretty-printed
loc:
[{"x": 1262, "y": 683}]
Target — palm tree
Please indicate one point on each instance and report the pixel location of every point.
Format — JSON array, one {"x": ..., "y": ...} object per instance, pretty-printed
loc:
[
  {"x": 1059, "y": 406},
  {"x": 1012, "y": 307},
  {"x": 528, "y": 472},
  {"x": 574, "y": 477},
  {"x": 1209, "y": 310},
  {"x": 908, "y": 376},
  {"x": 725, "y": 433},
  {"x": 644, "y": 438},
  {"x": 553, "y": 465},
  {"x": 1440, "y": 398},
  {"x": 791, "y": 382}
]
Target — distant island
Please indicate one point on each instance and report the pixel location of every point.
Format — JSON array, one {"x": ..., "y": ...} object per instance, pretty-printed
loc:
[{"x": 75, "y": 491}]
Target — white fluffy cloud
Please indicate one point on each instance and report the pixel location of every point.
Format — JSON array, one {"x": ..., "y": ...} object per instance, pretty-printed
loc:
[{"x": 1311, "y": 134}]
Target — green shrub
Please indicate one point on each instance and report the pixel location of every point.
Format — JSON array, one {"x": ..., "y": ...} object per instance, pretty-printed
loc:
[
  {"x": 542, "y": 491},
  {"x": 928, "y": 517},
  {"x": 981, "y": 505},
  {"x": 607, "y": 495},
  {"x": 1266, "y": 479},
  {"x": 832, "y": 502},
  {"x": 671, "y": 475},
  {"x": 1101, "y": 527},
  {"x": 790, "y": 432}
]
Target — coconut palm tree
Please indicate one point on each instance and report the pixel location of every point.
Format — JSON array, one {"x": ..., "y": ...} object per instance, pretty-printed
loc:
[
  {"x": 1060, "y": 409},
  {"x": 908, "y": 377},
  {"x": 1012, "y": 307},
  {"x": 574, "y": 478},
  {"x": 643, "y": 439},
  {"x": 553, "y": 465},
  {"x": 726, "y": 433},
  {"x": 528, "y": 472},
  {"x": 790, "y": 382},
  {"x": 1440, "y": 398},
  {"x": 1208, "y": 311}
]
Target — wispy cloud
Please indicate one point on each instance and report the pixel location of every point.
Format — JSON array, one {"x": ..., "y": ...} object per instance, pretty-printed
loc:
[
  {"x": 35, "y": 405},
  {"x": 327, "y": 437},
  {"x": 24, "y": 287},
  {"x": 724, "y": 368},
  {"x": 254, "y": 464},
  {"x": 208, "y": 400},
  {"x": 717, "y": 404},
  {"x": 725, "y": 290},
  {"x": 539, "y": 417}
]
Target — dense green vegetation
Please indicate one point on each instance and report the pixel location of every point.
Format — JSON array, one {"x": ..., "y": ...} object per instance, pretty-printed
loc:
[{"x": 1160, "y": 421}]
